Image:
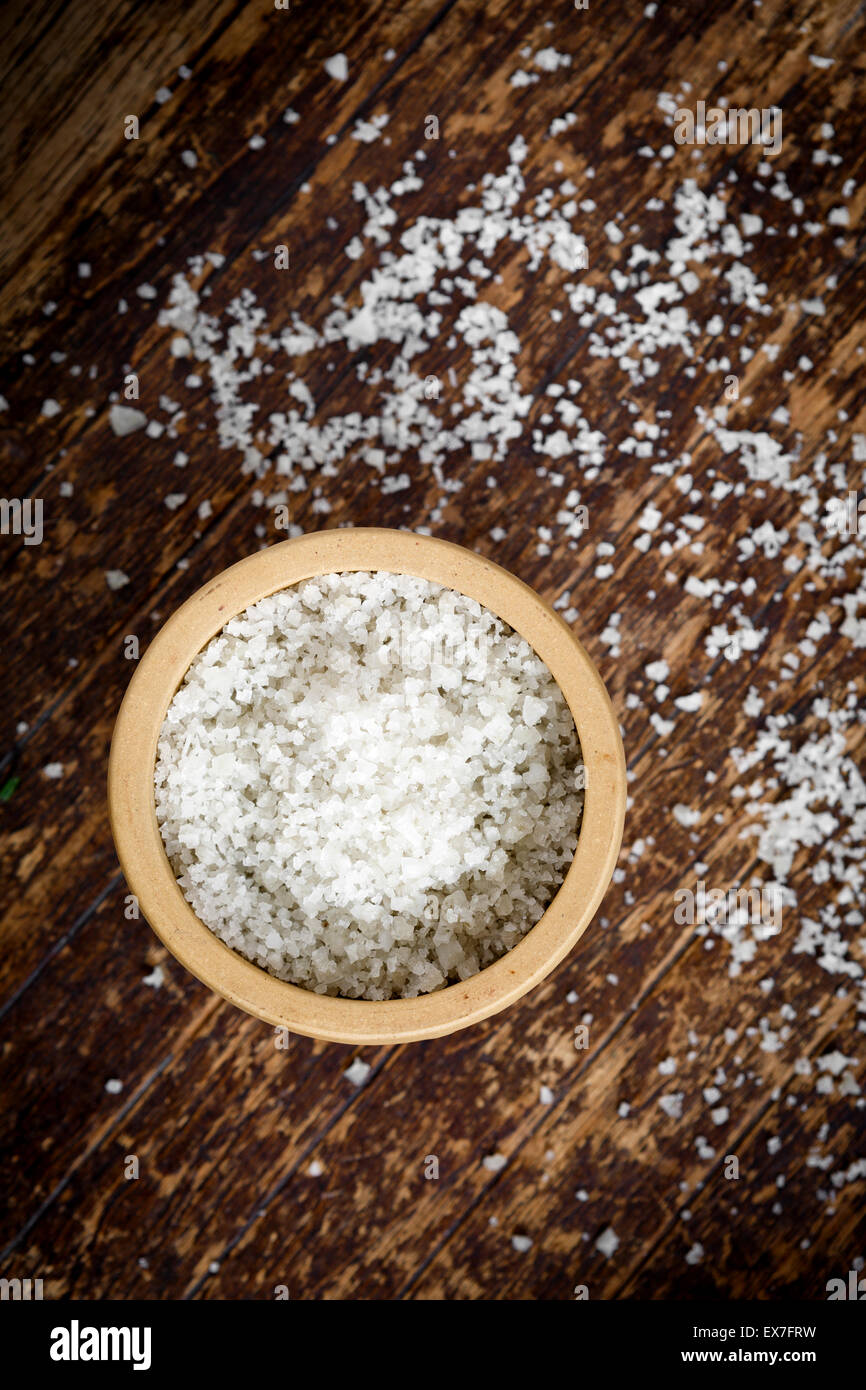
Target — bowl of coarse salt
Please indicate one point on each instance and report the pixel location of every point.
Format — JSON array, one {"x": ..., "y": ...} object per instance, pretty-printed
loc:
[{"x": 367, "y": 786}]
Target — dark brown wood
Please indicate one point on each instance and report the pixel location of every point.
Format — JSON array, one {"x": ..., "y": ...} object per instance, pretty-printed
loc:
[{"x": 224, "y": 1125}]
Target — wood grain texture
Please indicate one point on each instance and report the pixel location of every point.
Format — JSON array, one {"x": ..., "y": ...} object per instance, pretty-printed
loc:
[{"x": 224, "y": 1125}]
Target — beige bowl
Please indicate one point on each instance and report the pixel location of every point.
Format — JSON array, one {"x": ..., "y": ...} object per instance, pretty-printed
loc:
[{"x": 149, "y": 873}]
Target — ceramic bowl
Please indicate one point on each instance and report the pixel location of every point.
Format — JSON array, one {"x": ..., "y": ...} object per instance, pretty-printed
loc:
[{"x": 149, "y": 873}]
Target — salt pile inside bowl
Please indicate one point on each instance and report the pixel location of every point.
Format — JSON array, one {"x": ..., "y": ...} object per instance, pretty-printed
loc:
[{"x": 369, "y": 785}]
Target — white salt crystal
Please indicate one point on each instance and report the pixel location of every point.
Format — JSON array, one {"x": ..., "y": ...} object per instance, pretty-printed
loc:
[
  {"x": 337, "y": 67},
  {"x": 533, "y": 710},
  {"x": 494, "y": 1163},
  {"x": 690, "y": 704},
  {"x": 608, "y": 1242},
  {"x": 672, "y": 1104},
  {"x": 650, "y": 518},
  {"x": 124, "y": 420}
]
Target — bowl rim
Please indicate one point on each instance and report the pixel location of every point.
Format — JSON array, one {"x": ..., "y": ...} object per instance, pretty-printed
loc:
[{"x": 145, "y": 864}]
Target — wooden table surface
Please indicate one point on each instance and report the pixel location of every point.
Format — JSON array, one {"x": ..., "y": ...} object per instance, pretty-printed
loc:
[{"x": 261, "y": 1167}]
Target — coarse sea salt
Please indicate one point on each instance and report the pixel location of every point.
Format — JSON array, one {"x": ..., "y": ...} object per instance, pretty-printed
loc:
[{"x": 369, "y": 785}]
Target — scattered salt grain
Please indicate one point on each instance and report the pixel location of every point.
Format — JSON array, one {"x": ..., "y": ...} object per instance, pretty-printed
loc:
[
  {"x": 608, "y": 1242},
  {"x": 337, "y": 67},
  {"x": 657, "y": 670},
  {"x": 690, "y": 704},
  {"x": 358, "y": 1072},
  {"x": 672, "y": 1104},
  {"x": 124, "y": 420},
  {"x": 494, "y": 1163}
]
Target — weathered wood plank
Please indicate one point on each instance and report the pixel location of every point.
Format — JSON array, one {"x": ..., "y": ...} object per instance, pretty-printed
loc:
[{"x": 225, "y": 1126}]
